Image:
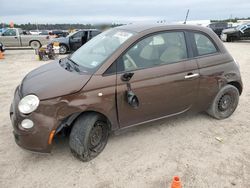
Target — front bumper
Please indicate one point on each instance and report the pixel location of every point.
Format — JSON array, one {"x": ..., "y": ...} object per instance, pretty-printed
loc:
[
  {"x": 36, "y": 138},
  {"x": 223, "y": 37}
]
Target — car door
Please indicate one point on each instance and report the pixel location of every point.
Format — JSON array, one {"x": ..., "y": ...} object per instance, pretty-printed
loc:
[
  {"x": 157, "y": 70},
  {"x": 10, "y": 38},
  {"x": 76, "y": 40}
]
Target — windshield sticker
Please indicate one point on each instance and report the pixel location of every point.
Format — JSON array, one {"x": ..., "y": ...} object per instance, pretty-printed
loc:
[
  {"x": 122, "y": 35},
  {"x": 94, "y": 63}
]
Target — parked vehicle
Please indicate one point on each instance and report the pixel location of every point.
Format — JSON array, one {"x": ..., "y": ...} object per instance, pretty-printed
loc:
[
  {"x": 218, "y": 27},
  {"x": 242, "y": 32},
  {"x": 125, "y": 76},
  {"x": 44, "y": 32},
  {"x": 14, "y": 37},
  {"x": 59, "y": 33},
  {"x": 2, "y": 30},
  {"x": 34, "y": 32},
  {"x": 75, "y": 40}
]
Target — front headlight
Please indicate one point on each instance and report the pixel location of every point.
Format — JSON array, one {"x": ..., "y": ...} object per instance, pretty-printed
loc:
[{"x": 28, "y": 104}]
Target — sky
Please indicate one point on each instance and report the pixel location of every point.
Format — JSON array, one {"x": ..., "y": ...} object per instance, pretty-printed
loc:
[{"x": 119, "y": 11}]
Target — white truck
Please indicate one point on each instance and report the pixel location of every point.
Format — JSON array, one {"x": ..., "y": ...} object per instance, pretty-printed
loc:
[{"x": 14, "y": 37}]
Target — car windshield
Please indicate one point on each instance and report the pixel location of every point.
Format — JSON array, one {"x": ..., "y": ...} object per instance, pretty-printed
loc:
[
  {"x": 92, "y": 54},
  {"x": 243, "y": 27},
  {"x": 71, "y": 34}
]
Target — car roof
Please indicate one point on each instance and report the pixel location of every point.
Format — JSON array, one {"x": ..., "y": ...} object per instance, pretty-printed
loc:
[{"x": 143, "y": 27}]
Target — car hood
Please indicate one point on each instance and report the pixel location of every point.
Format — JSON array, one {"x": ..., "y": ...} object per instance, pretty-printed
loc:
[
  {"x": 229, "y": 30},
  {"x": 52, "y": 80}
]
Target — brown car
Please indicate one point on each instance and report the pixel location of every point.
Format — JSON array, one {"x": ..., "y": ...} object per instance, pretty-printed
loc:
[{"x": 125, "y": 76}]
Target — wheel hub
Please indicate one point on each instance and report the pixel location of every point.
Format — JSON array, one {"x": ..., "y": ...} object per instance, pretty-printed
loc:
[
  {"x": 96, "y": 135},
  {"x": 225, "y": 102},
  {"x": 62, "y": 49}
]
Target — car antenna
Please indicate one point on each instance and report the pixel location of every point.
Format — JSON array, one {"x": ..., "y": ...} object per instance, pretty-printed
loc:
[{"x": 186, "y": 17}]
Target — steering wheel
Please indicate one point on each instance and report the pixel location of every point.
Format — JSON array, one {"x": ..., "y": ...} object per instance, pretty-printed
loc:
[{"x": 130, "y": 64}]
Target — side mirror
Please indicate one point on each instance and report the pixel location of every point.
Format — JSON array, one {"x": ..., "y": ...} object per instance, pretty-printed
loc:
[
  {"x": 127, "y": 76},
  {"x": 132, "y": 99}
]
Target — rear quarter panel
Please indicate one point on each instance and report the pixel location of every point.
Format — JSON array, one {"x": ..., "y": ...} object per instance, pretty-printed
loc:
[{"x": 215, "y": 72}]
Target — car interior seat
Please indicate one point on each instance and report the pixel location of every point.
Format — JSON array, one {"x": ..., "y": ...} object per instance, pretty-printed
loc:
[
  {"x": 149, "y": 56},
  {"x": 175, "y": 50}
]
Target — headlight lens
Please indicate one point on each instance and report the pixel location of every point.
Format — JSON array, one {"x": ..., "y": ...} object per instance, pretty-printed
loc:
[{"x": 28, "y": 104}]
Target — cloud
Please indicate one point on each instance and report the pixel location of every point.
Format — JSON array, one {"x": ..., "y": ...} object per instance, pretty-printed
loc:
[{"x": 96, "y": 11}]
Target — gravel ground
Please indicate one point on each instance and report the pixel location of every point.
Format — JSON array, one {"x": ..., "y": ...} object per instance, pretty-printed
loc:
[{"x": 144, "y": 156}]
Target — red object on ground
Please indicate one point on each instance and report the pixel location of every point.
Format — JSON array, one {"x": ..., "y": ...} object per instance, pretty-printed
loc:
[
  {"x": 1, "y": 55},
  {"x": 176, "y": 183}
]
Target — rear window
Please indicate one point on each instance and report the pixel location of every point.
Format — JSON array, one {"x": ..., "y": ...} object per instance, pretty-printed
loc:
[{"x": 204, "y": 44}]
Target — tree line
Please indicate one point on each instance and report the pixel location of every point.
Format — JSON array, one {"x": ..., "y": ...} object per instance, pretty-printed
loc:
[
  {"x": 234, "y": 20},
  {"x": 31, "y": 26}
]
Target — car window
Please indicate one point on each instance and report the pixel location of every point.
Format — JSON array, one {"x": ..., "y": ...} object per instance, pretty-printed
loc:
[
  {"x": 10, "y": 32},
  {"x": 247, "y": 30},
  {"x": 78, "y": 35},
  {"x": 204, "y": 44},
  {"x": 159, "y": 49},
  {"x": 93, "y": 33}
]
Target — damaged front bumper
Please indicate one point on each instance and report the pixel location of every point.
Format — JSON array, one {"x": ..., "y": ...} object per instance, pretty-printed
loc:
[{"x": 38, "y": 137}]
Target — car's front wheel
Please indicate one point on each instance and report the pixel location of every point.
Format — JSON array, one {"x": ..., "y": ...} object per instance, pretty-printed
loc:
[
  {"x": 225, "y": 102},
  {"x": 88, "y": 136},
  {"x": 63, "y": 49}
]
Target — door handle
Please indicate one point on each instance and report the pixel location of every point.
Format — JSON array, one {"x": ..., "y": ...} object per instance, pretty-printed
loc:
[
  {"x": 192, "y": 75},
  {"x": 15, "y": 37}
]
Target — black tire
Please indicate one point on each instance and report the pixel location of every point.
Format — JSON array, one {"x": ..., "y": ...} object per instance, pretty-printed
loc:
[
  {"x": 35, "y": 44},
  {"x": 225, "y": 102},
  {"x": 88, "y": 136},
  {"x": 63, "y": 49}
]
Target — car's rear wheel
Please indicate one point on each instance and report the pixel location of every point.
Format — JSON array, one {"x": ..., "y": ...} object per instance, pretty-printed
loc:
[
  {"x": 224, "y": 103},
  {"x": 63, "y": 49},
  {"x": 35, "y": 44},
  {"x": 88, "y": 136}
]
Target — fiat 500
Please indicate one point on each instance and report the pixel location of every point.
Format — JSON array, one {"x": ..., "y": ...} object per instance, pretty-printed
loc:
[{"x": 126, "y": 76}]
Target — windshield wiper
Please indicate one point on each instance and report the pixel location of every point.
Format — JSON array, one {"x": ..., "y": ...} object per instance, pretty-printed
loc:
[
  {"x": 75, "y": 65},
  {"x": 72, "y": 61}
]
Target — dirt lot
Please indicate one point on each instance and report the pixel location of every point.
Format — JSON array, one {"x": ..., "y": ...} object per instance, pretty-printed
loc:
[{"x": 144, "y": 156}]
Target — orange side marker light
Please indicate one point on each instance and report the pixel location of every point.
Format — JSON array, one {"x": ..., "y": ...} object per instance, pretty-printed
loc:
[{"x": 51, "y": 136}]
